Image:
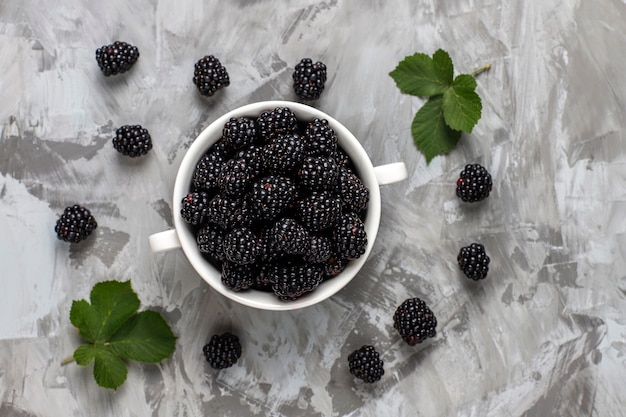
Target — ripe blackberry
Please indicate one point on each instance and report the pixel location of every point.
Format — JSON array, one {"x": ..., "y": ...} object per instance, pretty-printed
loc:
[
  {"x": 291, "y": 280},
  {"x": 237, "y": 277},
  {"x": 309, "y": 79},
  {"x": 290, "y": 236},
  {"x": 473, "y": 261},
  {"x": 365, "y": 364},
  {"x": 132, "y": 140},
  {"x": 318, "y": 173},
  {"x": 271, "y": 195},
  {"x": 334, "y": 265},
  {"x": 341, "y": 157},
  {"x": 235, "y": 176},
  {"x": 210, "y": 75},
  {"x": 239, "y": 132},
  {"x": 320, "y": 249},
  {"x": 350, "y": 236},
  {"x": 283, "y": 154},
  {"x": 228, "y": 211},
  {"x": 272, "y": 123},
  {"x": 414, "y": 321},
  {"x": 320, "y": 138},
  {"x": 354, "y": 194},
  {"x": 195, "y": 208},
  {"x": 474, "y": 183},
  {"x": 319, "y": 210},
  {"x": 253, "y": 155},
  {"x": 207, "y": 171},
  {"x": 223, "y": 148},
  {"x": 116, "y": 58},
  {"x": 75, "y": 224},
  {"x": 210, "y": 240},
  {"x": 222, "y": 351},
  {"x": 268, "y": 248},
  {"x": 241, "y": 246}
]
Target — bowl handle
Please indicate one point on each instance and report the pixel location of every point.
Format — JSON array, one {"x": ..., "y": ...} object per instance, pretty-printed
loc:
[
  {"x": 163, "y": 241},
  {"x": 390, "y": 173}
]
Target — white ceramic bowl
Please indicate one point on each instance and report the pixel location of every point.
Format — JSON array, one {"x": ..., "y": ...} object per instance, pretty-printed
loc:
[{"x": 183, "y": 237}]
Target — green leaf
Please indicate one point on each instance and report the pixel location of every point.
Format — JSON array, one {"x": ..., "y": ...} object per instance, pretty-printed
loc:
[
  {"x": 109, "y": 370},
  {"x": 146, "y": 337},
  {"x": 115, "y": 303},
  {"x": 85, "y": 319},
  {"x": 443, "y": 65},
  {"x": 419, "y": 75},
  {"x": 461, "y": 105},
  {"x": 431, "y": 134},
  {"x": 85, "y": 354}
]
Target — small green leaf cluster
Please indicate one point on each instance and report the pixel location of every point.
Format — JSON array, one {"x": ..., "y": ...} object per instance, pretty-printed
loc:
[
  {"x": 116, "y": 331},
  {"x": 453, "y": 105}
]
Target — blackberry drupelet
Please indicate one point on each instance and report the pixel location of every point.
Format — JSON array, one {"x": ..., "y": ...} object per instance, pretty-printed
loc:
[
  {"x": 473, "y": 261},
  {"x": 318, "y": 173},
  {"x": 290, "y": 236},
  {"x": 239, "y": 132},
  {"x": 238, "y": 277},
  {"x": 291, "y": 280},
  {"x": 116, "y": 58},
  {"x": 210, "y": 75},
  {"x": 195, "y": 208},
  {"x": 75, "y": 224},
  {"x": 320, "y": 249},
  {"x": 222, "y": 351},
  {"x": 350, "y": 236},
  {"x": 354, "y": 194},
  {"x": 283, "y": 154},
  {"x": 207, "y": 171},
  {"x": 241, "y": 246},
  {"x": 319, "y": 210},
  {"x": 272, "y": 195},
  {"x": 210, "y": 240},
  {"x": 365, "y": 364},
  {"x": 320, "y": 138},
  {"x": 235, "y": 176},
  {"x": 309, "y": 79},
  {"x": 132, "y": 140},
  {"x": 474, "y": 183},
  {"x": 228, "y": 212},
  {"x": 272, "y": 123},
  {"x": 414, "y": 321}
]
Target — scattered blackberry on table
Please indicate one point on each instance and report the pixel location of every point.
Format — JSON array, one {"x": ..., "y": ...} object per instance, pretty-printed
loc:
[
  {"x": 320, "y": 249},
  {"x": 473, "y": 261},
  {"x": 474, "y": 183},
  {"x": 210, "y": 240},
  {"x": 253, "y": 155},
  {"x": 229, "y": 211},
  {"x": 283, "y": 154},
  {"x": 241, "y": 246},
  {"x": 365, "y": 364},
  {"x": 237, "y": 277},
  {"x": 132, "y": 140},
  {"x": 272, "y": 195},
  {"x": 235, "y": 176},
  {"x": 75, "y": 224},
  {"x": 354, "y": 194},
  {"x": 195, "y": 208},
  {"x": 272, "y": 123},
  {"x": 320, "y": 138},
  {"x": 116, "y": 58},
  {"x": 319, "y": 210},
  {"x": 239, "y": 132},
  {"x": 210, "y": 75},
  {"x": 318, "y": 173},
  {"x": 414, "y": 321},
  {"x": 291, "y": 280},
  {"x": 290, "y": 236},
  {"x": 350, "y": 236},
  {"x": 207, "y": 171},
  {"x": 222, "y": 351},
  {"x": 309, "y": 79}
]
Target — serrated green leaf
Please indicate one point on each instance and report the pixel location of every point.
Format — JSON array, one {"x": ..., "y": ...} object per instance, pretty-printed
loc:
[
  {"x": 146, "y": 337},
  {"x": 85, "y": 319},
  {"x": 461, "y": 105},
  {"x": 115, "y": 303},
  {"x": 443, "y": 65},
  {"x": 419, "y": 76},
  {"x": 431, "y": 134},
  {"x": 85, "y": 354},
  {"x": 109, "y": 370}
]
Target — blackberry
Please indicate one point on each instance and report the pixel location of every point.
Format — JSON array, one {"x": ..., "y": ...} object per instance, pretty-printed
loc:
[
  {"x": 132, "y": 140},
  {"x": 222, "y": 351},
  {"x": 268, "y": 248},
  {"x": 354, "y": 194},
  {"x": 319, "y": 210},
  {"x": 290, "y": 236},
  {"x": 210, "y": 240},
  {"x": 195, "y": 208},
  {"x": 414, "y": 321},
  {"x": 272, "y": 123},
  {"x": 253, "y": 155},
  {"x": 320, "y": 138},
  {"x": 271, "y": 195},
  {"x": 210, "y": 75},
  {"x": 473, "y": 261},
  {"x": 207, "y": 171},
  {"x": 235, "y": 176},
  {"x": 334, "y": 265},
  {"x": 283, "y": 154},
  {"x": 318, "y": 173},
  {"x": 237, "y": 277},
  {"x": 223, "y": 148},
  {"x": 262, "y": 278},
  {"x": 116, "y": 58},
  {"x": 309, "y": 79},
  {"x": 241, "y": 246},
  {"x": 365, "y": 364},
  {"x": 320, "y": 249},
  {"x": 474, "y": 183},
  {"x": 75, "y": 224},
  {"x": 239, "y": 132},
  {"x": 291, "y": 280},
  {"x": 228, "y": 212},
  {"x": 350, "y": 236},
  {"x": 341, "y": 157}
]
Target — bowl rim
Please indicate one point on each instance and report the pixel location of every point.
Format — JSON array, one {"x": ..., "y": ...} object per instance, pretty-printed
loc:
[{"x": 208, "y": 272}]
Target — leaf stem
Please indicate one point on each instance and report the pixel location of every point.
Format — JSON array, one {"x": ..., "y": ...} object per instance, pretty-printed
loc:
[
  {"x": 67, "y": 360},
  {"x": 480, "y": 70}
]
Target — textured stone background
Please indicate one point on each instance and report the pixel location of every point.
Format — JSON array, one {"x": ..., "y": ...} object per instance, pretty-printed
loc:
[{"x": 544, "y": 335}]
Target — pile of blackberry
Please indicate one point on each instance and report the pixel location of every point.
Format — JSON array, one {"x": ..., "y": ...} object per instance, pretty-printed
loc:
[{"x": 276, "y": 204}]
